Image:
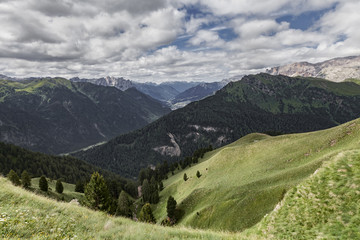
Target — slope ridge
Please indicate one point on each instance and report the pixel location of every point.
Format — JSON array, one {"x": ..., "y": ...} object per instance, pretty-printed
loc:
[
  {"x": 324, "y": 206},
  {"x": 243, "y": 182},
  {"x": 26, "y": 215}
]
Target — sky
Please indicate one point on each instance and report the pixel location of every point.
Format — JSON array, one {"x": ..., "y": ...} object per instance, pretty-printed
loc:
[{"x": 171, "y": 40}]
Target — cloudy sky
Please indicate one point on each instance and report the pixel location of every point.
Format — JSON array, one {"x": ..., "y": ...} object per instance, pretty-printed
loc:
[{"x": 160, "y": 40}]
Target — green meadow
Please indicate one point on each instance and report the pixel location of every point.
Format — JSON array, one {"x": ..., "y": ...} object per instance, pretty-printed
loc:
[{"x": 297, "y": 186}]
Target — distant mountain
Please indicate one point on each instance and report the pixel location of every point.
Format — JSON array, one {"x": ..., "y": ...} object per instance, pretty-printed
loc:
[
  {"x": 180, "y": 86},
  {"x": 161, "y": 92},
  {"x": 58, "y": 116},
  {"x": 119, "y": 83},
  {"x": 257, "y": 103},
  {"x": 196, "y": 93},
  {"x": 336, "y": 70}
]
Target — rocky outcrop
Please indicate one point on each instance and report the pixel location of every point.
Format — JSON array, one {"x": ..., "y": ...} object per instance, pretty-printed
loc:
[{"x": 336, "y": 70}]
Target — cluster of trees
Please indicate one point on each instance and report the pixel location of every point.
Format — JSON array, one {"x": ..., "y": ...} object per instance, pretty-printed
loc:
[
  {"x": 67, "y": 168},
  {"x": 25, "y": 181}
]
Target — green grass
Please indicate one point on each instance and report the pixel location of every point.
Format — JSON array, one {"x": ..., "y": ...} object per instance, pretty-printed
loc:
[
  {"x": 297, "y": 186},
  {"x": 28, "y": 216},
  {"x": 325, "y": 206},
  {"x": 67, "y": 195},
  {"x": 244, "y": 181}
]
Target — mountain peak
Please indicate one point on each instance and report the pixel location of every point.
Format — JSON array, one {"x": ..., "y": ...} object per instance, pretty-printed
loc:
[{"x": 336, "y": 69}]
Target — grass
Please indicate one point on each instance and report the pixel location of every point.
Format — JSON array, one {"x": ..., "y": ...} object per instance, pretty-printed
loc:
[
  {"x": 26, "y": 215},
  {"x": 297, "y": 186},
  {"x": 325, "y": 206},
  {"x": 67, "y": 195},
  {"x": 244, "y": 181}
]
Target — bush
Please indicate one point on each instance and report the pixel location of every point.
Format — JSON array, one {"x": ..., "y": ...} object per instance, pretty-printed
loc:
[{"x": 146, "y": 214}]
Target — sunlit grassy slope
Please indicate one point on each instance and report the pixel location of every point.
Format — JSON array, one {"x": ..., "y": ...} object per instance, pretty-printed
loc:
[
  {"x": 244, "y": 181},
  {"x": 240, "y": 184},
  {"x": 325, "y": 206},
  {"x": 25, "y": 215}
]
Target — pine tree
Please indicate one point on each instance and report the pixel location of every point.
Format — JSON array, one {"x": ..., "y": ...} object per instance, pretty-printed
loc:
[
  {"x": 14, "y": 178},
  {"x": 79, "y": 187},
  {"x": 171, "y": 207},
  {"x": 25, "y": 179},
  {"x": 146, "y": 191},
  {"x": 43, "y": 184},
  {"x": 123, "y": 207},
  {"x": 146, "y": 214},
  {"x": 59, "y": 187},
  {"x": 97, "y": 193},
  {"x": 198, "y": 174},
  {"x": 185, "y": 177}
]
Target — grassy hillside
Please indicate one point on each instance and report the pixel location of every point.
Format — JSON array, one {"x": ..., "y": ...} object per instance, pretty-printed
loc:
[
  {"x": 244, "y": 181},
  {"x": 26, "y": 215},
  {"x": 325, "y": 206},
  {"x": 257, "y": 103},
  {"x": 241, "y": 184}
]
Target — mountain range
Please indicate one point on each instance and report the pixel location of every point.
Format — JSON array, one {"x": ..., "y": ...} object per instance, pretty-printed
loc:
[
  {"x": 55, "y": 115},
  {"x": 336, "y": 70},
  {"x": 163, "y": 92},
  {"x": 257, "y": 103}
]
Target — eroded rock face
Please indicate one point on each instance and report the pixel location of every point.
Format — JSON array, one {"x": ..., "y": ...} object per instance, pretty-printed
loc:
[
  {"x": 169, "y": 150},
  {"x": 336, "y": 70}
]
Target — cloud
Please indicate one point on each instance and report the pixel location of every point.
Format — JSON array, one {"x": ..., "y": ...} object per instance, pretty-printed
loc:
[{"x": 169, "y": 39}]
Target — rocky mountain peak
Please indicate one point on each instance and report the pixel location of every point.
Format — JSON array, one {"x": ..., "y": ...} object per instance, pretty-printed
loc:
[{"x": 336, "y": 70}]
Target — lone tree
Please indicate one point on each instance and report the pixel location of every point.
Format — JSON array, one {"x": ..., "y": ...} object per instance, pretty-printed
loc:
[
  {"x": 146, "y": 191},
  {"x": 198, "y": 174},
  {"x": 171, "y": 207},
  {"x": 185, "y": 177},
  {"x": 14, "y": 178},
  {"x": 25, "y": 179},
  {"x": 97, "y": 193},
  {"x": 43, "y": 184},
  {"x": 146, "y": 214},
  {"x": 123, "y": 207},
  {"x": 59, "y": 186}
]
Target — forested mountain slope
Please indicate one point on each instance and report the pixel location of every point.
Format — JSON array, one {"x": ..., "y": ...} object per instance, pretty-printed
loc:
[
  {"x": 54, "y": 115},
  {"x": 257, "y": 103}
]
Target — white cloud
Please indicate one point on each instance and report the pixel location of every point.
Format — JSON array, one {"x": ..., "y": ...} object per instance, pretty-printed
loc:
[{"x": 135, "y": 39}]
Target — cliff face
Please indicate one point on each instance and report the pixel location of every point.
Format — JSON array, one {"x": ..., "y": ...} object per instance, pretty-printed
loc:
[{"x": 336, "y": 70}]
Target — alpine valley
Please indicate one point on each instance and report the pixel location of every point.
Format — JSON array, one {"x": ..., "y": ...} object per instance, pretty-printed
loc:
[{"x": 258, "y": 103}]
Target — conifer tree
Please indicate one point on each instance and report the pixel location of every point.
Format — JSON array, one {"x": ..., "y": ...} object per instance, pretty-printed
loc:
[
  {"x": 97, "y": 193},
  {"x": 14, "y": 178},
  {"x": 25, "y": 179},
  {"x": 185, "y": 177},
  {"x": 43, "y": 184},
  {"x": 146, "y": 191},
  {"x": 171, "y": 207},
  {"x": 59, "y": 187},
  {"x": 146, "y": 214},
  {"x": 198, "y": 174},
  {"x": 123, "y": 207}
]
